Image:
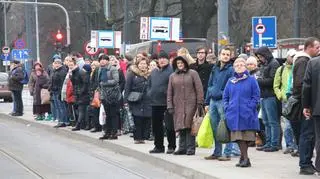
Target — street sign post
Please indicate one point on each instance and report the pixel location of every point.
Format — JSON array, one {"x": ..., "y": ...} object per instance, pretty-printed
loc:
[
  {"x": 264, "y": 31},
  {"x": 20, "y": 54}
]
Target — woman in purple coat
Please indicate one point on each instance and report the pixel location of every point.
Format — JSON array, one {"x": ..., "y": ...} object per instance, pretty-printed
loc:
[{"x": 241, "y": 97}]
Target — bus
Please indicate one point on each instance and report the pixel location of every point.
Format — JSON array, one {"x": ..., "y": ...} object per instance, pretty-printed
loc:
[{"x": 154, "y": 47}]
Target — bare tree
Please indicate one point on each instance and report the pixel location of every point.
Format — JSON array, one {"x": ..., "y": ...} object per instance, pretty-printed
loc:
[{"x": 196, "y": 17}]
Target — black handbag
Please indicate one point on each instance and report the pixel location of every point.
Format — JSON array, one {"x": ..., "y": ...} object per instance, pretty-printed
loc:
[
  {"x": 112, "y": 95},
  {"x": 292, "y": 108},
  {"x": 136, "y": 96}
]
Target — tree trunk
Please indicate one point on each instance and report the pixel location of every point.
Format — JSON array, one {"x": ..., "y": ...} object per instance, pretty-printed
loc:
[{"x": 196, "y": 17}]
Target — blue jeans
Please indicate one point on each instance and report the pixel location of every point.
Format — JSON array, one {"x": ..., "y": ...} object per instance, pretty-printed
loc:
[
  {"x": 60, "y": 109},
  {"x": 14, "y": 105},
  {"x": 288, "y": 134},
  {"x": 306, "y": 143},
  {"x": 217, "y": 113},
  {"x": 53, "y": 110},
  {"x": 17, "y": 101},
  {"x": 271, "y": 121}
]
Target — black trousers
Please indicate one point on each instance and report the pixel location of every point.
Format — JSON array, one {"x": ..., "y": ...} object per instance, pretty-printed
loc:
[
  {"x": 112, "y": 120},
  {"x": 141, "y": 127},
  {"x": 158, "y": 113},
  {"x": 93, "y": 117},
  {"x": 296, "y": 128},
  {"x": 17, "y": 101},
  {"x": 82, "y": 111},
  {"x": 187, "y": 142},
  {"x": 316, "y": 120}
]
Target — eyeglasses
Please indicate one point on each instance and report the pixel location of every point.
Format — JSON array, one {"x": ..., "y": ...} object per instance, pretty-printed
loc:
[
  {"x": 239, "y": 65},
  {"x": 201, "y": 52}
]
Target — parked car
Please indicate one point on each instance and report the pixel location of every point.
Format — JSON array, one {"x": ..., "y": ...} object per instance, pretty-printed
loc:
[{"x": 5, "y": 94}]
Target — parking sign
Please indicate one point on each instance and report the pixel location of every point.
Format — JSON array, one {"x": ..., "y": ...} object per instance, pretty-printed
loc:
[{"x": 264, "y": 31}]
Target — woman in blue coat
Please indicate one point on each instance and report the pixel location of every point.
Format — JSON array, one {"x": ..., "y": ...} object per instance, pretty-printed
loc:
[{"x": 241, "y": 97}]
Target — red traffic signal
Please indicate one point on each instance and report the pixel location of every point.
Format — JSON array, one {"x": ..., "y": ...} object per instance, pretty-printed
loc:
[{"x": 59, "y": 36}]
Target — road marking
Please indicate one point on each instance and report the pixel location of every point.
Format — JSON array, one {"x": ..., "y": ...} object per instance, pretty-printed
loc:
[{"x": 20, "y": 163}]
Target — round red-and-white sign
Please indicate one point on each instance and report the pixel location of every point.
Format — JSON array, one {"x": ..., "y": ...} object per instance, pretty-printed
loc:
[
  {"x": 260, "y": 28},
  {"x": 90, "y": 50}
]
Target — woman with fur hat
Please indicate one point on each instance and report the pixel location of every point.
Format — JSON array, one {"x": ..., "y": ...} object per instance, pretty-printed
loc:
[
  {"x": 137, "y": 83},
  {"x": 185, "y": 97},
  {"x": 38, "y": 80}
]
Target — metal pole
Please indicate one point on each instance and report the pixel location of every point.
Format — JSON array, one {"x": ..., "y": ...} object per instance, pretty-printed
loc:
[
  {"x": 296, "y": 19},
  {"x": 223, "y": 25},
  {"x": 5, "y": 25},
  {"x": 125, "y": 25},
  {"x": 37, "y": 32},
  {"x": 48, "y": 4},
  {"x": 5, "y": 31}
]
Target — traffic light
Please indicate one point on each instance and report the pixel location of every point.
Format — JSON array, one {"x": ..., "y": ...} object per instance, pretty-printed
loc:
[
  {"x": 58, "y": 41},
  {"x": 59, "y": 36}
]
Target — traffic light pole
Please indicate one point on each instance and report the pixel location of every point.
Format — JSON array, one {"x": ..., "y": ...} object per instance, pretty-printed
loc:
[
  {"x": 37, "y": 32},
  {"x": 46, "y": 4}
]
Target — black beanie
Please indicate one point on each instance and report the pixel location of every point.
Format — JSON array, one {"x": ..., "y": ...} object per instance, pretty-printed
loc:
[{"x": 163, "y": 54}]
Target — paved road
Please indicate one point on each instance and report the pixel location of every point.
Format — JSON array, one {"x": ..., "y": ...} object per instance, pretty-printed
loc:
[{"x": 28, "y": 152}]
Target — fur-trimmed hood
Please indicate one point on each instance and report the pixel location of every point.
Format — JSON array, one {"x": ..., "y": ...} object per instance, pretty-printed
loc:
[{"x": 137, "y": 71}]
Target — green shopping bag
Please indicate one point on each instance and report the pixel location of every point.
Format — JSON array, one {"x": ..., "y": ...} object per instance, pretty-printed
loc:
[{"x": 205, "y": 135}]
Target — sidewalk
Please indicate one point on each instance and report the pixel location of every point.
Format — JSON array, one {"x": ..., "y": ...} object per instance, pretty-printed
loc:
[{"x": 264, "y": 165}]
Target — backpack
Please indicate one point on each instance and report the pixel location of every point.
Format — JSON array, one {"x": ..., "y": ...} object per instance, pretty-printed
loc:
[{"x": 25, "y": 78}]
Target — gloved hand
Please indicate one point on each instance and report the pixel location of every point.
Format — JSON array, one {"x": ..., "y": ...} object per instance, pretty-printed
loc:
[
  {"x": 200, "y": 109},
  {"x": 170, "y": 110}
]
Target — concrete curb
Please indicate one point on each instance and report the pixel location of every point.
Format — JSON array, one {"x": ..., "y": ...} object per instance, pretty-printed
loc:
[{"x": 167, "y": 165}]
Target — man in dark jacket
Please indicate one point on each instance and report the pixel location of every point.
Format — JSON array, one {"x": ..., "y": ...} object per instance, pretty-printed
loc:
[
  {"x": 269, "y": 103},
  {"x": 158, "y": 86},
  {"x": 202, "y": 67},
  {"x": 15, "y": 86},
  {"x": 310, "y": 100},
  {"x": 302, "y": 124},
  {"x": 220, "y": 74},
  {"x": 80, "y": 79},
  {"x": 56, "y": 81}
]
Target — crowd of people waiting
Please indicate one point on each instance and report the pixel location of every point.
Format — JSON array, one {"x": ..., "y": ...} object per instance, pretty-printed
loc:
[{"x": 163, "y": 92}]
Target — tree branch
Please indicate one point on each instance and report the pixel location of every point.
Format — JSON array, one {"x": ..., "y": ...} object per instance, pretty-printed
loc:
[
  {"x": 173, "y": 3},
  {"x": 176, "y": 14},
  {"x": 152, "y": 7}
]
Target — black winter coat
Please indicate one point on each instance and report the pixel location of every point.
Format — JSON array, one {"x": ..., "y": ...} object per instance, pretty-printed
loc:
[
  {"x": 94, "y": 84},
  {"x": 15, "y": 77},
  {"x": 311, "y": 87},
  {"x": 122, "y": 80},
  {"x": 80, "y": 81},
  {"x": 137, "y": 83},
  {"x": 57, "y": 79},
  {"x": 158, "y": 85},
  {"x": 299, "y": 68},
  {"x": 204, "y": 71},
  {"x": 268, "y": 71}
]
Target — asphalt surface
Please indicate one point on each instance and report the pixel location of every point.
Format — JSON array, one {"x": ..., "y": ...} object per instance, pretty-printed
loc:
[{"x": 29, "y": 152}]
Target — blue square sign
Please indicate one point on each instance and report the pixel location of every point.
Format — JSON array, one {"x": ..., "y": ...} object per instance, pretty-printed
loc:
[
  {"x": 20, "y": 54},
  {"x": 264, "y": 31}
]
